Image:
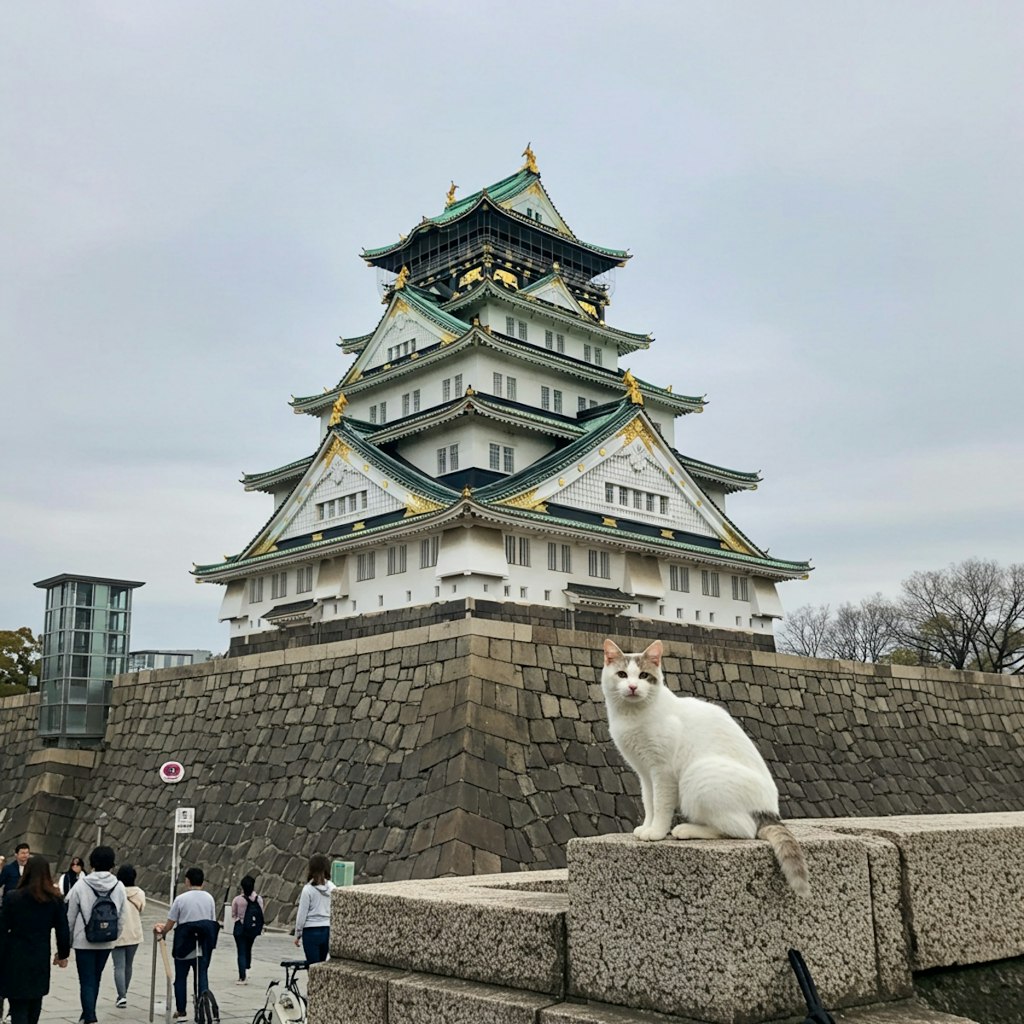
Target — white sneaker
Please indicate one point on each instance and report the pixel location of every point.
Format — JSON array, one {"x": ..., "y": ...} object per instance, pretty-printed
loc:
[
  {"x": 121, "y": 1003},
  {"x": 241, "y": 981}
]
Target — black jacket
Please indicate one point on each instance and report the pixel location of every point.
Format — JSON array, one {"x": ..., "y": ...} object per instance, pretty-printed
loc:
[
  {"x": 25, "y": 927},
  {"x": 186, "y": 935},
  {"x": 9, "y": 877}
]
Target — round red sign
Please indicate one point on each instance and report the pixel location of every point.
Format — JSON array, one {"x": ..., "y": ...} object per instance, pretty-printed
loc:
[{"x": 172, "y": 771}]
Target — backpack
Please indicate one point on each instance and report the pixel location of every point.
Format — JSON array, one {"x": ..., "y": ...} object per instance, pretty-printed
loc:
[
  {"x": 252, "y": 922},
  {"x": 103, "y": 924}
]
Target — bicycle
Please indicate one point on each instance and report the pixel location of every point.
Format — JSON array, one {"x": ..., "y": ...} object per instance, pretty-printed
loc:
[{"x": 285, "y": 1005}]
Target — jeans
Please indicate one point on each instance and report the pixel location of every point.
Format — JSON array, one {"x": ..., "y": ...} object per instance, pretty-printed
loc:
[
  {"x": 315, "y": 943},
  {"x": 26, "y": 1011},
  {"x": 243, "y": 946},
  {"x": 90, "y": 964},
  {"x": 181, "y": 969},
  {"x": 123, "y": 957}
]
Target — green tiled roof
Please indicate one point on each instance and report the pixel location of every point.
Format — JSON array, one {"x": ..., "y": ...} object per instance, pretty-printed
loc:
[
  {"x": 499, "y": 192},
  {"x": 709, "y": 469},
  {"x": 253, "y": 481},
  {"x": 424, "y": 302}
]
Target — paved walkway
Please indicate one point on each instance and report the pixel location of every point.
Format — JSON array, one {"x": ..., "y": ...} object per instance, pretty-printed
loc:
[{"x": 237, "y": 1002}]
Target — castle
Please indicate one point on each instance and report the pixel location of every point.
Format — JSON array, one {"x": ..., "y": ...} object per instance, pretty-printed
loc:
[{"x": 487, "y": 443}]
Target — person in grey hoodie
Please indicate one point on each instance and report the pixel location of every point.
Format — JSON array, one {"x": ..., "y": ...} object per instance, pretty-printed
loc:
[
  {"x": 313, "y": 921},
  {"x": 91, "y": 957}
]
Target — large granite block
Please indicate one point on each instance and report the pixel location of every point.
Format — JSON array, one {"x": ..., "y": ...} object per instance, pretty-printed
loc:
[
  {"x": 343, "y": 992},
  {"x": 506, "y": 929},
  {"x": 963, "y": 876},
  {"x": 702, "y": 929},
  {"x": 422, "y": 999}
]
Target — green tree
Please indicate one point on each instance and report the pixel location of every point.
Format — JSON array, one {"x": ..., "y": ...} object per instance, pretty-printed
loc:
[{"x": 19, "y": 658}]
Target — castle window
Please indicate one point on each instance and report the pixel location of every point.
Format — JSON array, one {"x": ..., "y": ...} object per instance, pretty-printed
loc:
[
  {"x": 256, "y": 590},
  {"x": 558, "y": 400},
  {"x": 711, "y": 616},
  {"x": 453, "y": 457},
  {"x": 560, "y": 342},
  {"x": 416, "y": 400},
  {"x": 536, "y": 216},
  {"x": 509, "y": 459},
  {"x": 663, "y": 502},
  {"x": 428, "y": 552},
  {"x": 383, "y": 412},
  {"x": 522, "y": 330},
  {"x": 510, "y": 388},
  {"x": 517, "y": 550},
  {"x": 278, "y": 585},
  {"x": 709, "y": 583},
  {"x": 304, "y": 579},
  {"x": 679, "y": 578},
  {"x": 609, "y": 492},
  {"x": 522, "y": 592},
  {"x": 679, "y": 613},
  {"x": 446, "y": 390},
  {"x": 442, "y": 461},
  {"x": 599, "y": 564},
  {"x": 559, "y": 557},
  {"x": 545, "y": 398},
  {"x": 598, "y": 356},
  {"x": 365, "y": 567},
  {"x": 586, "y": 353},
  {"x": 510, "y": 326},
  {"x": 396, "y": 559},
  {"x": 405, "y": 404},
  {"x": 549, "y": 339},
  {"x": 581, "y": 404},
  {"x": 497, "y": 388},
  {"x": 740, "y": 591},
  {"x": 373, "y": 414},
  {"x": 494, "y": 456}
]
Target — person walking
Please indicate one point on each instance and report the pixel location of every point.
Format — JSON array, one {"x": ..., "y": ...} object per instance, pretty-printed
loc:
[
  {"x": 96, "y": 905},
  {"x": 194, "y": 913},
  {"x": 313, "y": 921},
  {"x": 247, "y": 913},
  {"x": 11, "y": 874},
  {"x": 72, "y": 875},
  {"x": 131, "y": 935},
  {"x": 27, "y": 917}
]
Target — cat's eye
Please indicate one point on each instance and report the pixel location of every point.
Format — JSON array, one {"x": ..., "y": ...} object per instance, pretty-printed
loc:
[
  {"x": 621, "y": 675},
  {"x": 644, "y": 675}
]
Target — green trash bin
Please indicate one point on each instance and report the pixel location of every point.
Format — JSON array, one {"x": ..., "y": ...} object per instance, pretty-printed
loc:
[{"x": 342, "y": 872}]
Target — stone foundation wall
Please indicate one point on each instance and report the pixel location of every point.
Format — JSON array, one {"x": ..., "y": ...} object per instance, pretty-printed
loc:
[{"x": 478, "y": 745}]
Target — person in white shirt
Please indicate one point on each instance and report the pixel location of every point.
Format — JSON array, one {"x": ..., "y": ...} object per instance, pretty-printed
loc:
[{"x": 313, "y": 921}]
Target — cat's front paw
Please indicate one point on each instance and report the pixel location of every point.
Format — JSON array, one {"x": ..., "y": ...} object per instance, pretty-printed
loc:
[{"x": 648, "y": 833}]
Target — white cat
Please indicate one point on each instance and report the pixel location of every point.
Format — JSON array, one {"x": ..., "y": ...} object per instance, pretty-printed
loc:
[{"x": 692, "y": 756}]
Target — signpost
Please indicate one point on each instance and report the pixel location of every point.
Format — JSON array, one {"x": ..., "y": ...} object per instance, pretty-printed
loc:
[{"x": 171, "y": 772}]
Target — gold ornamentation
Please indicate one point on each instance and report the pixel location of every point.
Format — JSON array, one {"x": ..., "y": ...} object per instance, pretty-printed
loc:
[
  {"x": 733, "y": 541},
  {"x": 358, "y": 526},
  {"x": 669, "y": 389},
  {"x": 467, "y": 491},
  {"x": 354, "y": 376},
  {"x": 337, "y": 410},
  {"x": 531, "y": 160},
  {"x": 417, "y": 506},
  {"x": 671, "y": 470},
  {"x": 476, "y": 274},
  {"x": 265, "y": 548},
  {"x": 636, "y": 428},
  {"x": 668, "y": 535},
  {"x": 401, "y": 306},
  {"x": 608, "y": 521},
  {"x": 588, "y": 307},
  {"x": 561, "y": 481},
  {"x": 366, "y": 467},
  {"x": 601, "y": 451},
  {"x": 506, "y": 278},
  {"x": 528, "y": 500},
  {"x": 446, "y": 339},
  {"x": 338, "y": 449},
  {"x": 580, "y": 468},
  {"x": 384, "y": 484},
  {"x": 470, "y": 392},
  {"x": 317, "y": 536},
  {"x": 632, "y": 388},
  {"x": 402, "y": 280},
  {"x": 699, "y": 503},
  {"x": 451, "y": 195},
  {"x": 556, "y": 267}
]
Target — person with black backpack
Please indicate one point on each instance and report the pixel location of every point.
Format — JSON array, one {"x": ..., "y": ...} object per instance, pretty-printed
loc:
[
  {"x": 247, "y": 913},
  {"x": 96, "y": 909}
]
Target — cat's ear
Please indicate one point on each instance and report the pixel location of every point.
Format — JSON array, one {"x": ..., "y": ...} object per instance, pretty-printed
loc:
[
  {"x": 611, "y": 652},
  {"x": 653, "y": 654}
]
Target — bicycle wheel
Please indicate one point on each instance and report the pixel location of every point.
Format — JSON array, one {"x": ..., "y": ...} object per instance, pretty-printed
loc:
[{"x": 262, "y": 1017}]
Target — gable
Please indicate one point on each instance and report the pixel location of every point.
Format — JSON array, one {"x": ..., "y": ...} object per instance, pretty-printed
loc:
[
  {"x": 555, "y": 292},
  {"x": 534, "y": 204}
]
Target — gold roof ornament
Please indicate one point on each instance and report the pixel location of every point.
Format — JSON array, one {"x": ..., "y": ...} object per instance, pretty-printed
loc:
[
  {"x": 470, "y": 392},
  {"x": 402, "y": 280},
  {"x": 451, "y": 195},
  {"x": 337, "y": 410},
  {"x": 467, "y": 491},
  {"x": 632, "y": 388},
  {"x": 531, "y": 160}
]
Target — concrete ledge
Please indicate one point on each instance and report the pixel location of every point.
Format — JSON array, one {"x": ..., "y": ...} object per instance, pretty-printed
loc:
[
  {"x": 962, "y": 879},
  {"x": 423, "y": 999},
  {"x": 506, "y": 929},
  {"x": 702, "y": 929},
  {"x": 342, "y": 992}
]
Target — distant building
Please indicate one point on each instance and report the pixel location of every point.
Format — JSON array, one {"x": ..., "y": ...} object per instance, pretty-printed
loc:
[
  {"x": 85, "y": 644},
  {"x": 487, "y": 441},
  {"x": 139, "y": 661}
]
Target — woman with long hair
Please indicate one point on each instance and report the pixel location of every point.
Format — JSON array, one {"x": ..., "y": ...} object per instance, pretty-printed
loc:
[
  {"x": 313, "y": 921},
  {"x": 131, "y": 933},
  {"x": 72, "y": 875},
  {"x": 28, "y": 915},
  {"x": 247, "y": 913}
]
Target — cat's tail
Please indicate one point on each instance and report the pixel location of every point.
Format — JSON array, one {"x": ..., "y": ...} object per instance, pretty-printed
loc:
[{"x": 787, "y": 852}]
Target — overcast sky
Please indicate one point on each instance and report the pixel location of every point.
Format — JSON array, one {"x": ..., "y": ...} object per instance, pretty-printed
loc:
[{"x": 824, "y": 202}]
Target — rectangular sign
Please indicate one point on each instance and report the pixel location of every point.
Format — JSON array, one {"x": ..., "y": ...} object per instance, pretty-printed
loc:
[{"x": 184, "y": 820}]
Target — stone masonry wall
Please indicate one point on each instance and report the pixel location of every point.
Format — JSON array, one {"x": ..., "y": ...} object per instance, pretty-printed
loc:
[
  {"x": 477, "y": 745},
  {"x": 19, "y": 726}
]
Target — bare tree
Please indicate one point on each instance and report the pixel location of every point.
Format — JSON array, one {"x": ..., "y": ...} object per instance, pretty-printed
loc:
[
  {"x": 804, "y": 630},
  {"x": 864, "y": 632},
  {"x": 970, "y": 615}
]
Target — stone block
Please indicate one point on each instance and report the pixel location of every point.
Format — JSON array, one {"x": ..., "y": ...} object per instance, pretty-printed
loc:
[
  {"x": 602, "y": 1013},
  {"x": 422, "y": 999},
  {"x": 702, "y": 929},
  {"x": 904, "y": 1013},
  {"x": 962, "y": 879},
  {"x": 343, "y": 992},
  {"x": 506, "y": 930}
]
